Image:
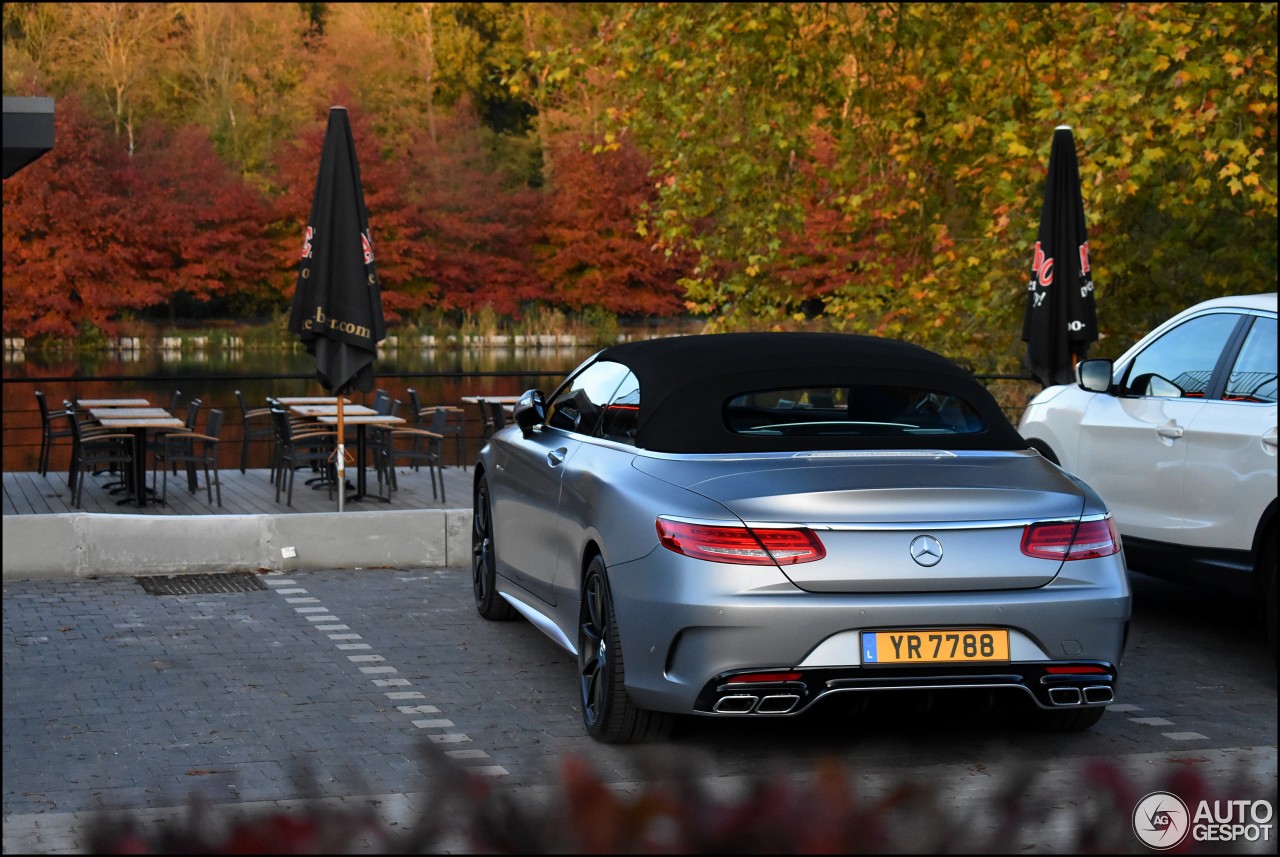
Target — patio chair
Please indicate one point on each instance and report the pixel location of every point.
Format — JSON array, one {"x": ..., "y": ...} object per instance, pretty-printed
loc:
[
  {"x": 49, "y": 432},
  {"x": 498, "y": 415},
  {"x": 81, "y": 425},
  {"x": 95, "y": 452},
  {"x": 188, "y": 425},
  {"x": 486, "y": 418},
  {"x": 408, "y": 446},
  {"x": 251, "y": 431},
  {"x": 305, "y": 447},
  {"x": 191, "y": 448},
  {"x": 446, "y": 425}
]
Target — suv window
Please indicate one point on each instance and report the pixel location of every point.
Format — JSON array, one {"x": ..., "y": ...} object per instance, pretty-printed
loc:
[
  {"x": 1181, "y": 362},
  {"x": 1253, "y": 377},
  {"x": 580, "y": 402}
]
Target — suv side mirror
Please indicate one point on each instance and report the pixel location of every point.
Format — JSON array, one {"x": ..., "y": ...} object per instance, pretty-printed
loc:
[
  {"x": 529, "y": 412},
  {"x": 1094, "y": 375}
]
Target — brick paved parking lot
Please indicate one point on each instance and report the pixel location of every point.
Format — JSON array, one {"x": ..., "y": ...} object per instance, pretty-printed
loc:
[{"x": 332, "y": 684}]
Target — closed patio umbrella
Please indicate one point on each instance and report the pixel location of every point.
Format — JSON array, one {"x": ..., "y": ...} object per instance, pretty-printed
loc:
[
  {"x": 1060, "y": 320},
  {"x": 337, "y": 307}
]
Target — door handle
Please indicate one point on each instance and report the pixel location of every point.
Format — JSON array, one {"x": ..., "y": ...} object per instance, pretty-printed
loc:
[
  {"x": 556, "y": 456},
  {"x": 1170, "y": 430}
]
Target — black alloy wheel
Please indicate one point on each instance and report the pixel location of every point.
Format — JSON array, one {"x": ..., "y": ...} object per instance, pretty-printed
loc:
[
  {"x": 484, "y": 574},
  {"x": 607, "y": 710}
]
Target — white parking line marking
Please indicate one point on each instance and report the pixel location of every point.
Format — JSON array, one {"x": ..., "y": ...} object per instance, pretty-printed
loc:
[
  {"x": 1185, "y": 736},
  {"x": 1151, "y": 721},
  {"x": 299, "y": 596},
  {"x": 466, "y": 754},
  {"x": 450, "y": 738}
]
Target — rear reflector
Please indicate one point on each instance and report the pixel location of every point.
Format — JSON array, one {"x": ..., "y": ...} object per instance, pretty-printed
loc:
[
  {"x": 759, "y": 678},
  {"x": 1075, "y": 670},
  {"x": 741, "y": 545},
  {"x": 1068, "y": 540}
]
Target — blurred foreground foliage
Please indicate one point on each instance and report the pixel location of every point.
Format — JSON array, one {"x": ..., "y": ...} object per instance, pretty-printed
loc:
[{"x": 679, "y": 810}]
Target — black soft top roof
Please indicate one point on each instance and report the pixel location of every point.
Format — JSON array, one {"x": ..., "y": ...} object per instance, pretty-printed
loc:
[{"x": 685, "y": 382}]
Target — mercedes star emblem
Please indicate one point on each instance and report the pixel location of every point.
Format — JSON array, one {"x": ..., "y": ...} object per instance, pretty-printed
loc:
[{"x": 926, "y": 551}]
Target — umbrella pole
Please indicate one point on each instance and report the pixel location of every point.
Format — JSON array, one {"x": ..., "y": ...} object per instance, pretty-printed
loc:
[{"x": 342, "y": 458}]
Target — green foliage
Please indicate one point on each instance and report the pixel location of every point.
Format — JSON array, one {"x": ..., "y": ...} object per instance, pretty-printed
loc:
[
  {"x": 90, "y": 338},
  {"x": 939, "y": 118},
  {"x": 601, "y": 325},
  {"x": 483, "y": 323}
]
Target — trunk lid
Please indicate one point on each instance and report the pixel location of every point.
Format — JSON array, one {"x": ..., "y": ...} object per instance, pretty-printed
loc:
[{"x": 872, "y": 508}]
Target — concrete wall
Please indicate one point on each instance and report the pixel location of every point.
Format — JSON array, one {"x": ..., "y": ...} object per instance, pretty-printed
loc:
[{"x": 83, "y": 545}]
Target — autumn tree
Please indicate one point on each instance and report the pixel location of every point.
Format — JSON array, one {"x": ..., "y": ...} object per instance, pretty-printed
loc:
[
  {"x": 76, "y": 249},
  {"x": 116, "y": 49},
  {"x": 591, "y": 254},
  {"x": 207, "y": 228}
]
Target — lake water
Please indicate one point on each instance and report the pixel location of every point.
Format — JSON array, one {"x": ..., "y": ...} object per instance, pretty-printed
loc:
[{"x": 439, "y": 375}]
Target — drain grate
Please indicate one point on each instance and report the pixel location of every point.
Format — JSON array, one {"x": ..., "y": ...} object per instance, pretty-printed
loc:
[{"x": 201, "y": 584}]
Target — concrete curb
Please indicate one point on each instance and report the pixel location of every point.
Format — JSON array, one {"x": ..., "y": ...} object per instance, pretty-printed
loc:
[{"x": 81, "y": 545}]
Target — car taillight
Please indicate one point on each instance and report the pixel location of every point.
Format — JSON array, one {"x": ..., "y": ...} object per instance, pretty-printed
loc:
[
  {"x": 741, "y": 545},
  {"x": 1068, "y": 540}
]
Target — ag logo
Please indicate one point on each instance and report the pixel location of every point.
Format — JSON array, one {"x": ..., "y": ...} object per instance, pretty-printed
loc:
[{"x": 1161, "y": 821}]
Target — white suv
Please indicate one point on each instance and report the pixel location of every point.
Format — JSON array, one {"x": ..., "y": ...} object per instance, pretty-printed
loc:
[{"x": 1179, "y": 438}]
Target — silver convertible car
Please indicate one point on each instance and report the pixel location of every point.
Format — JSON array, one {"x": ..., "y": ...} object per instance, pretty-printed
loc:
[{"x": 740, "y": 525}]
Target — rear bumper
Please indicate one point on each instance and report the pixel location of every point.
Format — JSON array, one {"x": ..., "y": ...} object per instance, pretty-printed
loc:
[{"x": 1055, "y": 685}]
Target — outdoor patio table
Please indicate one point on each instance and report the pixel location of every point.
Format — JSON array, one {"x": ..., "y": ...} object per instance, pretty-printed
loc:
[
  {"x": 332, "y": 410},
  {"x": 289, "y": 401},
  {"x": 112, "y": 403},
  {"x": 140, "y": 426},
  {"x": 360, "y": 421},
  {"x": 130, "y": 414}
]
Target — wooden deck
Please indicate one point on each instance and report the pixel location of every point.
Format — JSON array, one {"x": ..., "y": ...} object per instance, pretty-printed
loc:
[{"x": 250, "y": 493}]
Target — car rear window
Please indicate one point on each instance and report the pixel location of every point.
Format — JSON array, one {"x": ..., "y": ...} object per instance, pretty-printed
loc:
[{"x": 862, "y": 410}]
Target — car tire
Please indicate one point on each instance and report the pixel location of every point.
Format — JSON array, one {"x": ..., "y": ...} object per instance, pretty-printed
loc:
[
  {"x": 1063, "y": 720},
  {"x": 608, "y": 712},
  {"x": 484, "y": 569}
]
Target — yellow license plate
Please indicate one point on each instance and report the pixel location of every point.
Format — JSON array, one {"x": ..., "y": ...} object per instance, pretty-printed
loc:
[{"x": 945, "y": 646}]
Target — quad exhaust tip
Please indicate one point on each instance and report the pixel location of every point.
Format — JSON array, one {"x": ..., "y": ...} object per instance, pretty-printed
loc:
[
  {"x": 1101, "y": 693},
  {"x": 778, "y": 703},
  {"x": 1095, "y": 695}
]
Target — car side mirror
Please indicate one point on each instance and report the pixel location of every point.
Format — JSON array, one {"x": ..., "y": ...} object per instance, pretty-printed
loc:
[
  {"x": 1094, "y": 375},
  {"x": 530, "y": 411}
]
